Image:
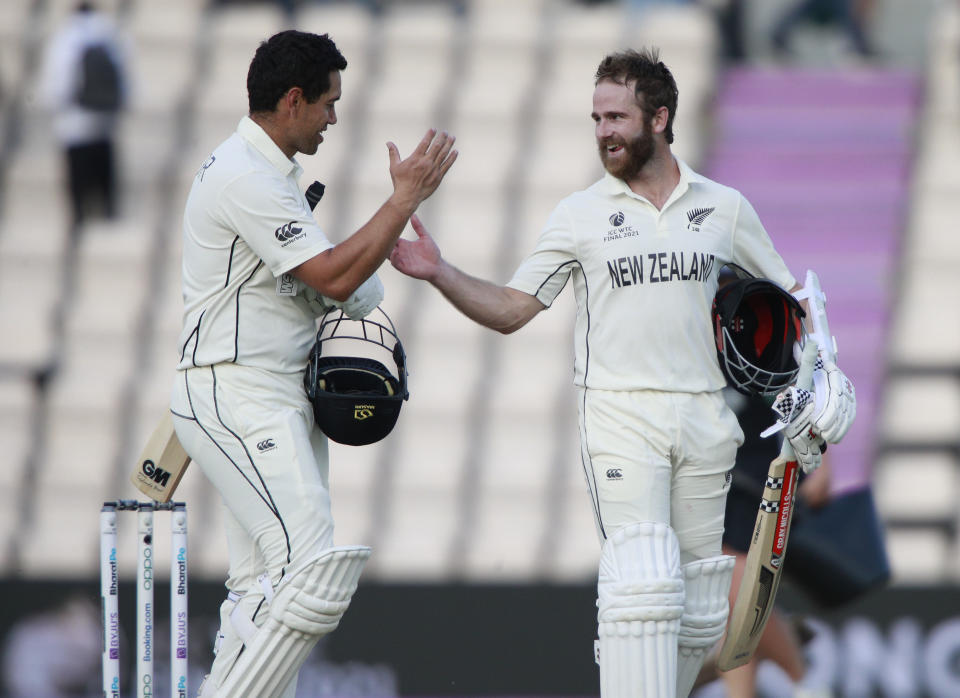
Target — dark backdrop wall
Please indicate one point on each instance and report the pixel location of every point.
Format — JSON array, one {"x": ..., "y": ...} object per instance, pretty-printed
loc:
[{"x": 471, "y": 640}]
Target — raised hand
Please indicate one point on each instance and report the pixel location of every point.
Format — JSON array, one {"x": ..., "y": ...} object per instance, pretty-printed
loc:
[{"x": 418, "y": 176}]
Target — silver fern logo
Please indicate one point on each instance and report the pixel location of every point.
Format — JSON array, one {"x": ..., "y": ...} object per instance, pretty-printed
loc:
[
  {"x": 697, "y": 216},
  {"x": 616, "y": 219}
]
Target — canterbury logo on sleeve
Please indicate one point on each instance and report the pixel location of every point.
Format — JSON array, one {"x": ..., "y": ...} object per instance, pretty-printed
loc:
[{"x": 288, "y": 233}]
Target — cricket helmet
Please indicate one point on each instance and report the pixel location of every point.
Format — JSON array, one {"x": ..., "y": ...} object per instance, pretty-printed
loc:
[
  {"x": 756, "y": 325},
  {"x": 356, "y": 398}
]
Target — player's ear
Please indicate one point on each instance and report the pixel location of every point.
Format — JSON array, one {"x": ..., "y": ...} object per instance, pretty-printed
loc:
[
  {"x": 659, "y": 121},
  {"x": 292, "y": 100}
]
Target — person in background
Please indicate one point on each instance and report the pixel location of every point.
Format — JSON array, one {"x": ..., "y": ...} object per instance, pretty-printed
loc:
[
  {"x": 54, "y": 653},
  {"x": 849, "y": 15},
  {"x": 85, "y": 84}
]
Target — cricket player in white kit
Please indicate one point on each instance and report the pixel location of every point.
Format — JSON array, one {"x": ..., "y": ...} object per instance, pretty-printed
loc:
[
  {"x": 257, "y": 271},
  {"x": 643, "y": 247}
]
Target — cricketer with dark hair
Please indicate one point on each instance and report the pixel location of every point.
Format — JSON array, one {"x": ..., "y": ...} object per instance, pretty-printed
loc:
[
  {"x": 257, "y": 272},
  {"x": 643, "y": 247}
]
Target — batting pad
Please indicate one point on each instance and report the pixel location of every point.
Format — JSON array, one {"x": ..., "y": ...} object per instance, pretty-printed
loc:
[
  {"x": 704, "y": 617},
  {"x": 308, "y": 604},
  {"x": 640, "y": 601}
]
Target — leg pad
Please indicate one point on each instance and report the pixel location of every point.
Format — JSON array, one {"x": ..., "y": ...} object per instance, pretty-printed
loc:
[
  {"x": 640, "y": 602},
  {"x": 308, "y": 604},
  {"x": 704, "y": 617}
]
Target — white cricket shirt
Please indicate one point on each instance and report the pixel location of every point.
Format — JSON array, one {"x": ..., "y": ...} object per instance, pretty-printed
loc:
[
  {"x": 644, "y": 280},
  {"x": 245, "y": 225}
]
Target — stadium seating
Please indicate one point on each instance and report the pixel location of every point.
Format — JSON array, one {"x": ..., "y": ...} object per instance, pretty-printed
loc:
[{"x": 918, "y": 451}]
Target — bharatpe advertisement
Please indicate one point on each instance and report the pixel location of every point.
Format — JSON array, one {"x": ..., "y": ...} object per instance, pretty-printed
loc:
[{"x": 468, "y": 640}]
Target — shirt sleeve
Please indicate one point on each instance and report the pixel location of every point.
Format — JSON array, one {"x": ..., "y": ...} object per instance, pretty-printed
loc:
[
  {"x": 273, "y": 220},
  {"x": 58, "y": 75},
  {"x": 753, "y": 250},
  {"x": 545, "y": 271}
]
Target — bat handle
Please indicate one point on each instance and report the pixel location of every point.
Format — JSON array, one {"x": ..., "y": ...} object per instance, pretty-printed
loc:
[{"x": 808, "y": 360}]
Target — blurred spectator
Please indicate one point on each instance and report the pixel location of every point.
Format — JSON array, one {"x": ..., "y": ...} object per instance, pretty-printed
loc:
[
  {"x": 55, "y": 654},
  {"x": 730, "y": 22},
  {"x": 849, "y": 15},
  {"x": 291, "y": 7},
  {"x": 84, "y": 83},
  {"x": 728, "y": 13},
  {"x": 639, "y": 6}
]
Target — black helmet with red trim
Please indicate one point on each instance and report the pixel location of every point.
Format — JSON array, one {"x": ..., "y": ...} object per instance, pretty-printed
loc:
[{"x": 756, "y": 325}]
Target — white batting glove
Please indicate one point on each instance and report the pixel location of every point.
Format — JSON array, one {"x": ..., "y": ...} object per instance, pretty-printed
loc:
[
  {"x": 318, "y": 303},
  {"x": 364, "y": 300},
  {"x": 361, "y": 302},
  {"x": 795, "y": 408},
  {"x": 835, "y": 404}
]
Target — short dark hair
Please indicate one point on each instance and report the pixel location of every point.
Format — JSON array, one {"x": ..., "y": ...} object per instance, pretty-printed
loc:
[
  {"x": 291, "y": 59},
  {"x": 654, "y": 81}
]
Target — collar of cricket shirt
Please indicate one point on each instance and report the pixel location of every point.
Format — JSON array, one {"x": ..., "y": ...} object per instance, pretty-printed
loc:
[
  {"x": 254, "y": 134},
  {"x": 615, "y": 185}
]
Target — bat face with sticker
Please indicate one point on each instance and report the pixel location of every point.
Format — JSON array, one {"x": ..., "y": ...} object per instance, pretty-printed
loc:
[{"x": 162, "y": 463}]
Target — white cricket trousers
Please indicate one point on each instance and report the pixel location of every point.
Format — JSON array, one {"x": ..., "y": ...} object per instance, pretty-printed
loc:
[
  {"x": 252, "y": 433},
  {"x": 650, "y": 455}
]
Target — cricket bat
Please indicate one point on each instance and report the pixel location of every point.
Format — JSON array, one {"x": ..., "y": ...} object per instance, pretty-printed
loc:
[
  {"x": 761, "y": 575},
  {"x": 162, "y": 462}
]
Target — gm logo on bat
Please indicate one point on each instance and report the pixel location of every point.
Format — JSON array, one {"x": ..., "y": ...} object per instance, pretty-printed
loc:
[{"x": 155, "y": 473}]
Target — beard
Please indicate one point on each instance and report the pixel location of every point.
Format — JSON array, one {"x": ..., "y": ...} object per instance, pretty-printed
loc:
[{"x": 637, "y": 151}]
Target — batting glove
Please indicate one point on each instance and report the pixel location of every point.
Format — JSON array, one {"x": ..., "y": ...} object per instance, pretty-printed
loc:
[
  {"x": 835, "y": 403},
  {"x": 318, "y": 303},
  {"x": 361, "y": 302},
  {"x": 364, "y": 300},
  {"x": 795, "y": 408}
]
